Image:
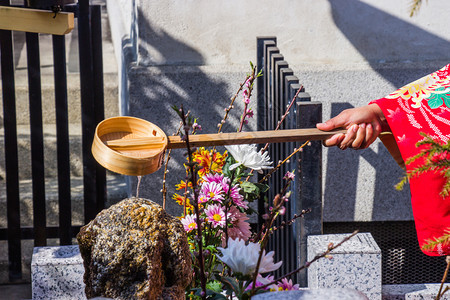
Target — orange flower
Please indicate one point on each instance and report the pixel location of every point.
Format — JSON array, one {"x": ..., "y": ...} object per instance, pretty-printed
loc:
[
  {"x": 203, "y": 157},
  {"x": 182, "y": 185},
  {"x": 181, "y": 200}
]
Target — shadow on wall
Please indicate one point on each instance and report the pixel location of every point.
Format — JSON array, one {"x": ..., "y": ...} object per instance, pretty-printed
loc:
[
  {"x": 154, "y": 89},
  {"x": 380, "y": 37},
  {"x": 340, "y": 195}
]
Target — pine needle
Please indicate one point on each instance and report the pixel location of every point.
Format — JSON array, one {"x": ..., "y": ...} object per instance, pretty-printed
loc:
[
  {"x": 435, "y": 158},
  {"x": 415, "y": 6}
]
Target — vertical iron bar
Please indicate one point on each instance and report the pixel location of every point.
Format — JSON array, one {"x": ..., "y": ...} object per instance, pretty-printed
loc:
[
  {"x": 262, "y": 84},
  {"x": 11, "y": 158},
  {"x": 62, "y": 134},
  {"x": 37, "y": 139},
  {"x": 288, "y": 148},
  {"x": 96, "y": 26},
  {"x": 87, "y": 109},
  {"x": 260, "y": 65},
  {"x": 310, "y": 179}
]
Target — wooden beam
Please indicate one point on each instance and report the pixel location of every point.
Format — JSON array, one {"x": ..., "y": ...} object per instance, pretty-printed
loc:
[{"x": 35, "y": 20}]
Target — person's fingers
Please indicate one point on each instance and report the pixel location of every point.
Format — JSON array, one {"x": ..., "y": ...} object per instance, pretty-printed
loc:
[
  {"x": 370, "y": 136},
  {"x": 360, "y": 137},
  {"x": 349, "y": 137},
  {"x": 372, "y": 132},
  {"x": 334, "y": 140}
]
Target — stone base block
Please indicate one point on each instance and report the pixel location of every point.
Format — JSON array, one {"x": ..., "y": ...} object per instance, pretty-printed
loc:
[
  {"x": 310, "y": 294},
  {"x": 426, "y": 291},
  {"x": 57, "y": 273},
  {"x": 355, "y": 265}
]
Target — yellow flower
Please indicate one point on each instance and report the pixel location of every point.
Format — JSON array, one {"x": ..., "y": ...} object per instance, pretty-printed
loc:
[
  {"x": 204, "y": 157},
  {"x": 182, "y": 185}
]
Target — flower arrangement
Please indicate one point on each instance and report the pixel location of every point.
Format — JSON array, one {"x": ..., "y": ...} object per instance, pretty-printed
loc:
[{"x": 229, "y": 259}]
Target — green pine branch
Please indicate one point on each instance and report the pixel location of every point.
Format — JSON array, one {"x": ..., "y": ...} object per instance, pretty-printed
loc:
[
  {"x": 442, "y": 240},
  {"x": 435, "y": 157}
]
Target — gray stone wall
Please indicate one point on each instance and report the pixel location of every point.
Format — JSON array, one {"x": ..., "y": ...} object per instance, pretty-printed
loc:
[{"x": 345, "y": 52}]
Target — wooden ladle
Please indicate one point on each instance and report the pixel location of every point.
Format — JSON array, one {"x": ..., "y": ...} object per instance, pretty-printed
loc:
[{"x": 133, "y": 146}]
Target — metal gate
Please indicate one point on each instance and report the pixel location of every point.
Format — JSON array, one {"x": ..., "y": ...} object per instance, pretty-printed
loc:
[{"x": 92, "y": 107}]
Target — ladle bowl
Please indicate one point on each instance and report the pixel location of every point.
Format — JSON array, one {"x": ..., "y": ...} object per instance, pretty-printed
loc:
[{"x": 129, "y": 161}]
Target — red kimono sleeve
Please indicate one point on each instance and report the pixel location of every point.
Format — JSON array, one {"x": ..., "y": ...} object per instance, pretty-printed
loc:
[{"x": 423, "y": 106}]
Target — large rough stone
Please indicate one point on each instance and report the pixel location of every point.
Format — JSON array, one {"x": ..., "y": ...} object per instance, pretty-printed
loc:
[{"x": 135, "y": 250}]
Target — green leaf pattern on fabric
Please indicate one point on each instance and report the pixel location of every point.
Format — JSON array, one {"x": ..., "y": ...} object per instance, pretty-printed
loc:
[{"x": 436, "y": 100}]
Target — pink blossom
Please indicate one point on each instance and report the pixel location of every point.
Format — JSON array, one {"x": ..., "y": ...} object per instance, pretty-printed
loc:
[
  {"x": 215, "y": 215},
  {"x": 212, "y": 191},
  {"x": 289, "y": 176},
  {"x": 250, "y": 113},
  {"x": 189, "y": 223},
  {"x": 196, "y": 127},
  {"x": 287, "y": 285},
  {"x": 246, "y": 100},
  {"x": 247, "y": 83}
]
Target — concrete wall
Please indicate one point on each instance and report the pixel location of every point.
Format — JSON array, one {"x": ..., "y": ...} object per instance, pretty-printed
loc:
[{"x": 345, "y": 52}]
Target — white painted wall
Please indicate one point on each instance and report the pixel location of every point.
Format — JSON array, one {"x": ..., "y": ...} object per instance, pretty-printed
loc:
[
  {"x": 217, "y": 32},
  {"x": 345, "y": 53}
]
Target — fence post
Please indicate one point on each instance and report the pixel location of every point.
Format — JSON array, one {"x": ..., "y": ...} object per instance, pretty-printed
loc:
[
  {"x": 309, "y": 181},
  {"x": 261, "y": 44},
  {"x": 11, "y": 157},
  {"x": 62, "y": 132}
]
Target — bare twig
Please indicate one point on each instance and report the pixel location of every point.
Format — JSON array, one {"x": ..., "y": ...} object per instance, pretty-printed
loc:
[
  {"x": 283, "y": 161},
  {"x": 264, "y": 149},
  {"x": 439, "y": 295},
  {"x": 291, "y": 221},
  {"x": 193, "y": 180},
  {"x": 164, "y": 189}
]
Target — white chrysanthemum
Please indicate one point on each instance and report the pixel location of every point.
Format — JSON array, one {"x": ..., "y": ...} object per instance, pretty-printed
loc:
[
  {"x": 242, "y": 258},
  {"x": 248, "y": 156}
]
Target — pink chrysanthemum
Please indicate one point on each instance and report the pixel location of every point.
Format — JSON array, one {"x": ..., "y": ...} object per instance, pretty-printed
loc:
[
  {"x": 215, "y": 215},
  {"x": 260, "y": 281},
  {"x": 212, "y": 191},
  {"x": 202, "y": 198},
  {"x": 240, "y": 229},
  {"x": 189, "y": 223},
  {"x": 235, "y": 196},
  {"x": 218, "y": 178},
  {"x": 287, "y": 285}
]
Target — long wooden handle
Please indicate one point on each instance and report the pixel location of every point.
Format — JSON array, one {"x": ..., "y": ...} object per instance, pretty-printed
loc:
[
  {"x": 255, "y": 137},
  {"x": 221, "y": 139}
]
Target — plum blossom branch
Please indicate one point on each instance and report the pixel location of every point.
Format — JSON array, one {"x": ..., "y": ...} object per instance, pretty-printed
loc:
[
  {"x": 283, "y": 161},
  {"x": 193, "y": 179}
]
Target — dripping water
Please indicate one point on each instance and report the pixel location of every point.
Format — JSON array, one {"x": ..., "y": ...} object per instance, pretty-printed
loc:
[{"x": 138, "y": 185}]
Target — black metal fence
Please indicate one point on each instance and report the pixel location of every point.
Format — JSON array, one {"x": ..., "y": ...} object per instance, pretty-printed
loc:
[
  {"x": 92, "y": 107},
  {"x": 275, "y": 90}
]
